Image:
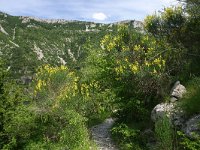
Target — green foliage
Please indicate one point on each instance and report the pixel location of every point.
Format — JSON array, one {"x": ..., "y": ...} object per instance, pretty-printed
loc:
[
  {"x": 164, "y": 133},
  {"x": 178, "y": 27},
  {"x": 12, "y": 112},
  {"x": 188, "y": 144},
  {"x": 191, "y": 101},
  {"x": 126, "y": 137},
  {"x": 168, "y": 24}
]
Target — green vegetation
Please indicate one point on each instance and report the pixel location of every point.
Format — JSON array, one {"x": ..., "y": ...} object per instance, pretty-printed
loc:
[
  {"x": 191, "y": 101},
  {"x": 164, "y": 134},
  {"x": 84, "y": 72},
  {"x": 187, "y": 143}
]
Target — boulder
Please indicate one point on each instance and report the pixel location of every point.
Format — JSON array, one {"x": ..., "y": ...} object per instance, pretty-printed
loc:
[
  {"x": 192, "y": 127},
  {"x": 175, "y": 114},
  {"x": 160, "y": 110},
  {"x": 177, "y": 91}
]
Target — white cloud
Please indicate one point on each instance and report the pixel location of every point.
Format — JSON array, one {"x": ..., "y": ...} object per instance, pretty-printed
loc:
[{"x": 99, "y": 16}]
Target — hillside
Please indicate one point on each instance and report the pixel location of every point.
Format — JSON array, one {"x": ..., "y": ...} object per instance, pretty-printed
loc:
[{"x": 27, "y": 42}]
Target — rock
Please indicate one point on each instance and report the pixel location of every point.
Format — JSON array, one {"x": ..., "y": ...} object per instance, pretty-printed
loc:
[
  {"x": 26, "y": 79},
  {"x": 149, "y": 137},
  {"x": 160, "y": 110},
  {"x": 173, "y": 99},
  {"x": 177, "y": 91},
  {"x": 175, "y": 114},
  {"x": 192, "y": 127}
]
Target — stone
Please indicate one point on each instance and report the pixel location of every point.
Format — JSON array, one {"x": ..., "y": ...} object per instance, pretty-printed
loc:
[
  {"x": 26, "y": 79},
  {"x": 174, "y": 113},
  {"x": 160, "y": 110},
  {"x": 177, "y": 91},
  {"x": 149, "y": 137},
  {"x": 192, "y": 127},
  {"x": 173, "y": 99}
]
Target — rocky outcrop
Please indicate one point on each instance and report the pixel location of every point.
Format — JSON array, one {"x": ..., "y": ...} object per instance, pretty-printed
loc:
[
  {"x": 174, "y": 113},
  {"x": 177, "y": 117}
]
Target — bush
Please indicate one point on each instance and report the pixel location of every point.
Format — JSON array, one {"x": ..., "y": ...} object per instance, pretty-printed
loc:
[{"x": 60, "y": 129}]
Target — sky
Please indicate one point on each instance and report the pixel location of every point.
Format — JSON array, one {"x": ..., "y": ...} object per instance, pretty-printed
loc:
[{"x": 104, "y": 11}]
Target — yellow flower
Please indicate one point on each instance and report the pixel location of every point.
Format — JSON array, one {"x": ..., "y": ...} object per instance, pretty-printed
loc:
[
  {"x": 137, "y": 47},
  {"x": 147, "y": 63},
  {"x": 134, "y": 67},
  {"x": 39, "y": 84},
  {"x": 62, "y": 67}
]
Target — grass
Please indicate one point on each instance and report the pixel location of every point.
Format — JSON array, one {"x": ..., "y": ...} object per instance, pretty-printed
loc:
[{"x": 191, "y": 101}]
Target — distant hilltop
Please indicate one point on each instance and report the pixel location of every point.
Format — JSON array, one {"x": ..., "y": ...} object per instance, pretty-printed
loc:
[{"x": 26, "y": 19}]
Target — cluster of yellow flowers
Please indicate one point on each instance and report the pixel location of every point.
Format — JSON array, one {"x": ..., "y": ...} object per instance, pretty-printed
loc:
[
  {"x": 86, "y": 89},
  {"x": 134, "y": 67},
  {"x": 142, "y": 59},
  {"x": 44, "y": 74},
  {"x": 137, "y": 47},
  {"x": 40, "y": 84},
  {"x": 159, "y": 61}
]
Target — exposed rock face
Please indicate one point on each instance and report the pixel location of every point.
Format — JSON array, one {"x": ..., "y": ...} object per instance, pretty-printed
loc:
[
  {"x": 192, "y": 127},
  {"x": 27, "y": 20},
  {"x": 2, "y": 30},
  {"x": 177, "y": 91}
]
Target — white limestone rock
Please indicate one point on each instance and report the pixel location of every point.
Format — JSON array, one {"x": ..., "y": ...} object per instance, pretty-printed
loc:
[
  {"x": 174, "y": 113},
  {"x": 177, "y": 91}
]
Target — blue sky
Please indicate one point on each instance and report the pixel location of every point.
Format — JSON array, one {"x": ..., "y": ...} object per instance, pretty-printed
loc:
[{"x": 88, "y": 10}]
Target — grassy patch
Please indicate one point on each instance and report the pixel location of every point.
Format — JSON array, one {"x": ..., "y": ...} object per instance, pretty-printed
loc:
[{"x": 191, "y": 101}]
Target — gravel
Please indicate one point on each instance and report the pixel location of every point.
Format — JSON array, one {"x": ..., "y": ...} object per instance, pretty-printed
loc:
[{"x": 102, "y": 136}]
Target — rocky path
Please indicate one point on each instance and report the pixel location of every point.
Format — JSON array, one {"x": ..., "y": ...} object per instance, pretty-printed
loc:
[{"x": 101, "y": 135}]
